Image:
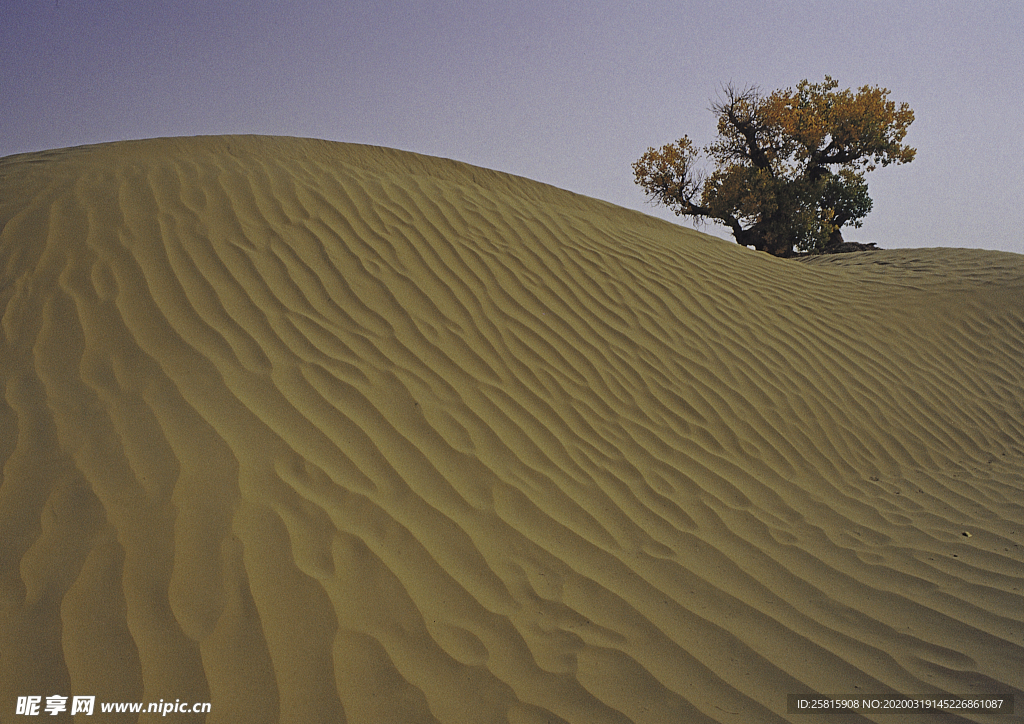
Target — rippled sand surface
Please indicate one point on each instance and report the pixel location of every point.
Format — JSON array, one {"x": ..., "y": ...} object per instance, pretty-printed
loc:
[{"x": 320, "y": 432}]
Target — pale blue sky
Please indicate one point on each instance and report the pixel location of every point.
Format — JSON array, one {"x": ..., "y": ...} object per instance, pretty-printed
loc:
[{"x": 569, "y": 93}]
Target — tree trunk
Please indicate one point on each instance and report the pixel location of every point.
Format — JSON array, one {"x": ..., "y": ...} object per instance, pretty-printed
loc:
[{"x": 768, "y": 243}]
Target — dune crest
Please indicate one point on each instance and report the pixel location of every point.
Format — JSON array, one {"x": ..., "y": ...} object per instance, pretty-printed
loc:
[{"x": 323, "y": 432}]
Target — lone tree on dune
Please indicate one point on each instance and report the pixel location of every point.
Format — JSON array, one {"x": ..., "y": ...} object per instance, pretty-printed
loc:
[{"x": 789, "y": 167}]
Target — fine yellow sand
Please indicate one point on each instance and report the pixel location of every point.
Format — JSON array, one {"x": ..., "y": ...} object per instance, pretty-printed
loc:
[{"x": 320, "y": 432}]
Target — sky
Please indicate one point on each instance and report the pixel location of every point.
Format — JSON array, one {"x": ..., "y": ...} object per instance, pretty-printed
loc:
[{"x": 568, "y": 93}]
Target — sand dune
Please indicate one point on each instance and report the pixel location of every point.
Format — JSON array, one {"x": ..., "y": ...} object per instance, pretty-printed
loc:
[{"x": 319, "y": 432}]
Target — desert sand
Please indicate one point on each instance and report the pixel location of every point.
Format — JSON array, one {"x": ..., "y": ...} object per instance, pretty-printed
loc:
[{"x": 321, "y": 432}]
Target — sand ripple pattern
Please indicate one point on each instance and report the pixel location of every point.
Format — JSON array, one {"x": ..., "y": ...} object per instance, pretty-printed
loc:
[{"x": 321, "y": 432}]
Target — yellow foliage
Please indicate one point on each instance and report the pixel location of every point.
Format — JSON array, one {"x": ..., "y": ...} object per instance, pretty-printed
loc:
[{"x": 790, "y": 164}]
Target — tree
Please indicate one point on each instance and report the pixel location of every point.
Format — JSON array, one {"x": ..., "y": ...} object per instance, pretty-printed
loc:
[{"x": 789, "y": 167}]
